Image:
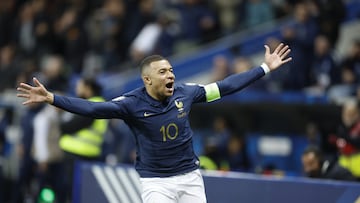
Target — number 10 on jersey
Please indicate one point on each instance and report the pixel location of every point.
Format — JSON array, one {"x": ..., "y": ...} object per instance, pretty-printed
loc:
[{"x": 170, "y": 131}]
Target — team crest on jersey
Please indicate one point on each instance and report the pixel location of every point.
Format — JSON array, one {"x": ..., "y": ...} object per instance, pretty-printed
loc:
[{"x": 179, "y": 105}]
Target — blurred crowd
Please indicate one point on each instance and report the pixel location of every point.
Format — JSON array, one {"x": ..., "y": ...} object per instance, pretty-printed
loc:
[
  {"x": 317, "y": 154},
  {"x": 318, "y": 68},
  {"x": 55, "y": 40},
  {"x": 89, "y": 37}
]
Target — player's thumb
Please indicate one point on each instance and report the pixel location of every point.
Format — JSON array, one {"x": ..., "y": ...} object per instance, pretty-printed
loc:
[{"x": 267, "y": 49}]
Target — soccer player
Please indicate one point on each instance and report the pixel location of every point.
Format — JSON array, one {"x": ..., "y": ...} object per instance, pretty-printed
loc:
[{"x": 158, "y": 114}]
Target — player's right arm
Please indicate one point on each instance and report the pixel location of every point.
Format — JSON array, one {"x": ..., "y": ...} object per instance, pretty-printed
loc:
[{"x": 39, "y": 94}]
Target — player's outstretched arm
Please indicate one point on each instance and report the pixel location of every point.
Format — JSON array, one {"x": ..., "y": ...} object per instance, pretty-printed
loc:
[
  {"x": 39, "y": 94},
  {"x": 35, "y": 94},
  {"x": 236, "y": 82},
  {"x": 278, "y": 57}
]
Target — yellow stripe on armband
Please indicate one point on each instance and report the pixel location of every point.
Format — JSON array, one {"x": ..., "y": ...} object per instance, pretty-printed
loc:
[{"x": 212, "y": 92}]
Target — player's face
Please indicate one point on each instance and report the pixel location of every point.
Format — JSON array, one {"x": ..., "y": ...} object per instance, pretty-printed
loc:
[{"x": 161, "y": 79}]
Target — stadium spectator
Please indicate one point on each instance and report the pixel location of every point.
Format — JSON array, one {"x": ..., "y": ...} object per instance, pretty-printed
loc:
[
  {"x": 53, "y": 72},
  {"x": 216, "y": 144},
  {"x": 350, "y": 75},
  {"x": 47, "y": 154},
  {"x": 210, "y": 158},
  {"x": 282, "y": 8},
  {"x": 22, "y": 189},
  {"x": 243, "y": 64},
  {"x": 156, "y": 37},
  {"x": 313, "y": 135},
  {"x": 236, "y": 158},
  {"x": 257, "y": 12},
  {"x": 119, "y": 145},
  {"x": 6, "y": 119},
  {"x": 109, "y": 28},
  {"x": 220, "y": 69},
  {"x": 204, "y": 26},
  {"x": 9, "y": 67},
  {"x": 316, "y": 166},
  {"x": 352, "y": 59},
  {"x": 82, "y": 137},
  {"x": 329, "y": 14},
  {"x": 301, "y": 36},
  {"x": 71, "y": 38},
  {"x": 24, "y": 30},
  {"x": 324, "y": 71},
  {"x": 228, "y": 12},
  {"x": 8, "y": 13},
  {"x": 347, "y": 138},
  {"x": 141, "y": 13}
]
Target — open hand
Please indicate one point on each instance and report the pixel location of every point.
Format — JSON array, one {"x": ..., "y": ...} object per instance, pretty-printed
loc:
[
  {"x": 278, "y": 57},
  {"x": 35, "y": 94}
]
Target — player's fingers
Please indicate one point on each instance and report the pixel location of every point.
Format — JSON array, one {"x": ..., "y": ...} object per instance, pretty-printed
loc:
[
  {"x": 283, "y": 50},
  {"x": 23, "y": 95},
  {"x": 37, "y": 82},
  {"x": 27, "y": 102},
  {"x": 22, "y": 89},
  {"x": 285, "y": 54},
  {"x": 278, "y": 48},
  {"x": 25, "y": 86},
  {"x": 287, "y": 60}
]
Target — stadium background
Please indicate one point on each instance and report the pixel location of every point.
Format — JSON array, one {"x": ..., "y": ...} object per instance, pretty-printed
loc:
[{"x": 203, "y": 40}]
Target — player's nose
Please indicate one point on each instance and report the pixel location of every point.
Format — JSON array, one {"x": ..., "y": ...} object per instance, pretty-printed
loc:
[{"x": 171, "y": 75}]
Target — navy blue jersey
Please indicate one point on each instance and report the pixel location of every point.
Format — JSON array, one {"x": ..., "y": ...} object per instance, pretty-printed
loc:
[{"x": 161, "y": 128}]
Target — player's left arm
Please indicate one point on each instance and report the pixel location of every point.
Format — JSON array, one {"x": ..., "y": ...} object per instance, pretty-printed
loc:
[{"x": 236, "y": 82}]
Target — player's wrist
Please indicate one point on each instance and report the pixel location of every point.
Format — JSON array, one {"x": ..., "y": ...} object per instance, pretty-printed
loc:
[
  {"x": 50, "y": 98},
  {"x": 265, "y": 67}
]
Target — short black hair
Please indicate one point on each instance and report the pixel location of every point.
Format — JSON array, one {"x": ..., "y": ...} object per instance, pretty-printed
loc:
[
  {"x": 148, "y": 60},
  {"x": 93, "y": 84},
  {"x": 314, "y": 149}
]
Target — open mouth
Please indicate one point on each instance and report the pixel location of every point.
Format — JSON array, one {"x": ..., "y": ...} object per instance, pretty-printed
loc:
[{"x": 169, "y": 85}]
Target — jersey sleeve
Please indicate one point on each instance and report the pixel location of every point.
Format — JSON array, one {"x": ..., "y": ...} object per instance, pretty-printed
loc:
[
  {"x": 115, "y": 108},
  {"x": 233, "y": 83},
  {"x": 237, "y": 82},
  {"x": 196, "y": 91}
]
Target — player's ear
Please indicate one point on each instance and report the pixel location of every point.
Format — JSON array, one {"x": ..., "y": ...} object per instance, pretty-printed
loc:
[{"x": 147, "y": 80}]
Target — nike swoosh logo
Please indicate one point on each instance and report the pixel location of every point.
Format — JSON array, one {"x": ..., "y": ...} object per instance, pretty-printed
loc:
[{"x": 147, "y": 114}]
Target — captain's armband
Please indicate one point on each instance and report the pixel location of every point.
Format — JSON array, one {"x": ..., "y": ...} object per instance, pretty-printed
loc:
[{"x": 212, "y": 92}]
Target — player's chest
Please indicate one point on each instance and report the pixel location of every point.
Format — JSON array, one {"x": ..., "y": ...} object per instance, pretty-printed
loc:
[{"x": 174, "y": 112}]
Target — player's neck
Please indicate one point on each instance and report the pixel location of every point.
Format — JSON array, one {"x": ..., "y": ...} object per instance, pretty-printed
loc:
[{"x": 155, "y": 96}]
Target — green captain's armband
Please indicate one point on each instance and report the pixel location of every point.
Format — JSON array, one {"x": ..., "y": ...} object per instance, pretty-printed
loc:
[{"x": 212, "y": 92}]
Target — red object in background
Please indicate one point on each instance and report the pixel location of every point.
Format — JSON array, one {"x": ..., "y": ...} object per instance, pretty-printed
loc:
[{"x": 343, "y": 146}]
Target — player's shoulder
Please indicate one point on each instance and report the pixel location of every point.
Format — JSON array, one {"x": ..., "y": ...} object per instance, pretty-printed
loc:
[
  {"x": 130, "y": 96},
  {"x": 189, "y": 86}
]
